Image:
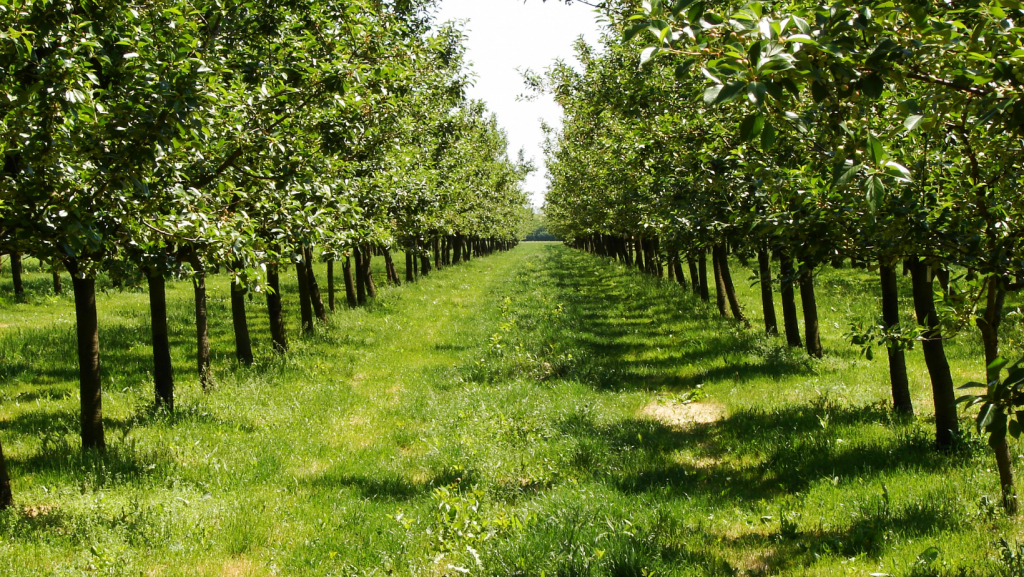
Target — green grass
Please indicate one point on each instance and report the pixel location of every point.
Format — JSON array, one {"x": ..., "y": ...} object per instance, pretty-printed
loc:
[{"x": 490, "y": 419}]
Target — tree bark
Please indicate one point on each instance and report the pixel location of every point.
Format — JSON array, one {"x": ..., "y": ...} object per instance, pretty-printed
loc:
[
  {"x": 350, "y": 289},
  {"x": 720, "y": 298},
  {"x": 990, "y": 319},
  {"x": 410, "y": 266},
  {"x": 730, "y": 290},
  {"x": 694, "y": 275},
  {"x": 330, "y": 283},
  {"x": 677, "y": 271},
  {"x": 202, "y": 323},
  {"x": 163, "y": 370},
  {"x": 274, "y": 309},
  {"x": 305, "y": 301},
  {"x": 947, "y": 427},
  {"x": 810, "y": 306},
  {"x": 314, "y": 287},
  {"x": 243, "y": 344},
  {"x": 390, "y": 263},
  {"x": 702, "y": 274},
  {"x": 371, "y": 287},
  {"x": 901, "y": 401},
  {"x": 789, "y": 316},
  {"x": 58, "y": 286},
  {"x": 764, "y": 264},
  {"x": 87, "y": 329},
  {"x": 456, "y": 249},
  {"x": 6, "y": 497},
  {"x": 1004, "y": 464},
  {"x": 357, "y": 254},
  {"x": 16, "y": 270},
  {"x": 640, "y": 261}
]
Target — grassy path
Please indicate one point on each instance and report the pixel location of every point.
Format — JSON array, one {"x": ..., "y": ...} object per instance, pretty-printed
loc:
[{"x": 536, "y": 412}]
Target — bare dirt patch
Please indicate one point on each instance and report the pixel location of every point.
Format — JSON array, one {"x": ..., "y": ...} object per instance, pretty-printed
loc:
[{"x": 683, "y": 415}]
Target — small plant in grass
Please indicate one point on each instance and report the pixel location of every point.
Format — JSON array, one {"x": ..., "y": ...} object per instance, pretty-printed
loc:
[
  {"x": 998, "y": 416},
  {"x": 1012, "y": 557}
]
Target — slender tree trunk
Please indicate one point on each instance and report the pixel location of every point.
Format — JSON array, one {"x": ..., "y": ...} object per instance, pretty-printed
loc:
[
  {"x": 240, "y": 322},
  {"x": 942, "y": 274},
  {"x": 695, "y": 285},
  {"x": 360, "y": 266},
  {"x": 720, "y": 298},
  {"x": 947, "y": 427},
  {"x": 314, "y": 287},
  {"x": 456, "y": 249},
  {"x": 202, "y": 323},
  {"x": 730, "y": 290},
  {"x": 425, "y": 265},
  {"x": 371, "y": 287},
  {"x": 390, "y": 262},
  {"x": 163, "y": 370},
  {"x": 1004, "y": 464},
  {"x": 88, "y": 360},
  {"x": 410, "y": 266},
  {"x": 641, "y": 264},
  {"x": 810, "y": 306},
  {"x": 350, "y": 289},
  {"x": 305, "y": 301},
  {"x": 58, "y": 286},
  {"x": 789, "y": 316},
  {"x": 6, "y": 497},
  {"x": 901, "y": 401},
  {"x": 330, "y": 284},
  {"x": 274, "y": 309},
  {"x": 677, "y": 269},
  {"x": 990, "y": 319},
  {"x": 16, "y": 270},
  {"x": 440, "y": 249},
  {"x": 702, "y": 274},
  {"x": 764, "y": 264}
]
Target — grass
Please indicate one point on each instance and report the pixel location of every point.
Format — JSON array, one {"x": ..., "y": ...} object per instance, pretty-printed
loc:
[{"x": 491, "y": 420}]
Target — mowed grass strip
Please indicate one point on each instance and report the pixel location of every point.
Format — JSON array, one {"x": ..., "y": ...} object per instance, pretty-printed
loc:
[{"x": 536, "y": 412}]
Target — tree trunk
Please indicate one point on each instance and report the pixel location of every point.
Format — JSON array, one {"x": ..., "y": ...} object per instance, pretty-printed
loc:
[
  {"x": 410, "y": 266},
  {"x": 58, "y": 286},
  {"x": 87, "y": 328},
  {"x": 640, "y": 261},
  {"x": 360, "y": 275},
  {"x": 330, "y": 283},
  {"x": 371, "y": 287},
  {"x": 1005, "y": 466},
  {"x": 947, "y": 427},
  {"x": 350, "y": 289},
  {"x": 456, "y": 249},
  {"x": 243, "y": 345},
  {"x": 163, "y": 371},
  {"x": 702, "y": 274},
  {"x": 6, "y": 497},
  {"x": 810, "y": 306},
  {"x": 764, "y": 264},
  {"x": 720, "y": 298},
  {"x": 901, "y": 401},
  {"x": 314, "y": 287},
  {"x": 16, "y": 270},
  {"x": 990, "y": 319},
  {"x": 305, "y": 301},
  {"x": 274, "y": 309},
  {"x": 730, "y": 290},
  {"x": 677, "y": 269},
  {"x": 390, "y": 263},
  {"x": 694, "y": 275},
  {"x": 202, "y": 323},
  {"x": 789, "y": 316}
]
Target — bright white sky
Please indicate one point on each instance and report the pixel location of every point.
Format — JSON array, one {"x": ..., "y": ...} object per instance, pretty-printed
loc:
[{"x": 504, "y": 35}]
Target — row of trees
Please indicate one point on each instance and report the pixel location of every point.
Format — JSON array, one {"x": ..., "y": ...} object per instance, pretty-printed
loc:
[
  {"x": 885, "y": 133},
  {"x": 172, "y": 138}
]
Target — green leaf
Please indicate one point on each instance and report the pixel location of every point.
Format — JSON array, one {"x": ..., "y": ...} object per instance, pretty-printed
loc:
[
  {"x": 846, "y": 173},
  {"x": 872, "y": 86},
  {"x": 875, "y": 151},
  {"x": 751, "y": 126},
  {"x": 874, "y": 191},
  {"x": 756, "y": 92},
  {"x": 912, "y": 122},
  {"x": 819, "y": 92},
  {"x": 1015, "y": 429},
  {"x": 754, "y": 54},
  {"x": 768, "y": 135},
  {"x": 729, "y": 92},
  {"x": 985, "y": 416},
  {"x": 897, "y": 171},
  {"x": 648, "y": 53},
  {"x": 631, "y": 32},
  {"x": 996, "y": 366},
  {"x": 711, "y": 94},
  {"x": 683, "y": 70}
]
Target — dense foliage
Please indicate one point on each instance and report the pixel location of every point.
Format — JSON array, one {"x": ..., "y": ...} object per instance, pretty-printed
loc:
[
  {"x": 884, "y": 133},
  {"x": 171, "y": 138}
]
